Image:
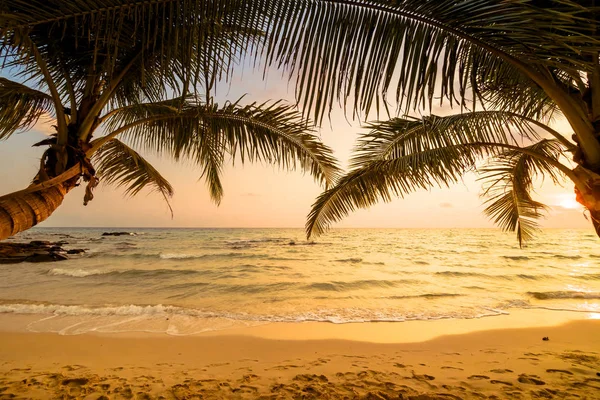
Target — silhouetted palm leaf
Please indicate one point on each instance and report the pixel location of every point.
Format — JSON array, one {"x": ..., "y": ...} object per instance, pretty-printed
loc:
[
  {"x": 205, "y": 133},
  {"x": 509, "y": 181},
  {"x": 400, "y": 156},
  {"x": 118, "y": 164},
  {"x": 21, "y": 107}
]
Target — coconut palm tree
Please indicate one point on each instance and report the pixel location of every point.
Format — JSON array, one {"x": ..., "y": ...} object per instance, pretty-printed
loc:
[
  {"x": 120, "y": 77},
  {"x": 531, "y": 60},
  {"x": 510, "y": 66}
]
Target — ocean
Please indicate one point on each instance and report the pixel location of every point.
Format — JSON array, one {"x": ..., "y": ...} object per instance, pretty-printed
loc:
[{"x": 187, "y": 281}]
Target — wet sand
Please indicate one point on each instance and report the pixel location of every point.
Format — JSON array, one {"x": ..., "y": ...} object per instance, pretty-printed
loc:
[{"x": 303, "y": 361}]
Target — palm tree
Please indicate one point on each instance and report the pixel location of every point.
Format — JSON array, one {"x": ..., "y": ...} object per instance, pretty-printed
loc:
[
  {"x": 121, "y": 77},
  {"x": 510, "y": 66},
  {"x": 526, "y": 61}
]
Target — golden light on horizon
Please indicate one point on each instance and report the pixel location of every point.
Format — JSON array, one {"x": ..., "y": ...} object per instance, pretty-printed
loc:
[{"x": 567, "y": 201}]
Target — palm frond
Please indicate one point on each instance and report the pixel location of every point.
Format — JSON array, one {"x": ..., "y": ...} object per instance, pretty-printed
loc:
[
  {"x": 205, "y": 133},
  {"x": 364, "y": 50},
  {"x": 382, "y": 180},
  {"x": 21, "y": 107},
  {"x": 399, "y": 156},
  {"x": 341, "y": 50},
  {"x": 118, "y": 164},
  {"x": 398, "y": 137},
  {"x": 509, "y": 178},
  {"x": 154, "y": 47}
]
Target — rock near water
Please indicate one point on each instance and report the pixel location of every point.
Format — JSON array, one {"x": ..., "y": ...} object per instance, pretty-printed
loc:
[{"x": 34, "y": 251}]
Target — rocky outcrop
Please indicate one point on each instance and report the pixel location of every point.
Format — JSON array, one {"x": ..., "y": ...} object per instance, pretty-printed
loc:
[
  {"x": 34, "y": 251},
  {"x": 118, "y": 234}
]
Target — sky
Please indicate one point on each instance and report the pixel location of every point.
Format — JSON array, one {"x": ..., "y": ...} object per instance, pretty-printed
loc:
[{"x": 262, "y": 195}]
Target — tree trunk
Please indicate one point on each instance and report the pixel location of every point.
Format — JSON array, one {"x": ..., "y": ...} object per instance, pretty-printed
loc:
[{"x": 20, "y": 212}]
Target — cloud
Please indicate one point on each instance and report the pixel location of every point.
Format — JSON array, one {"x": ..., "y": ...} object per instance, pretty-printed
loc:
[{"x": 446, "y": 205}]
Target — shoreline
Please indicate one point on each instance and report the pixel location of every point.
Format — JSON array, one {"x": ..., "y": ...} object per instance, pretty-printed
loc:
[
  {"x": 376, "y": 332},
  {"x": 284, "y": 361}
]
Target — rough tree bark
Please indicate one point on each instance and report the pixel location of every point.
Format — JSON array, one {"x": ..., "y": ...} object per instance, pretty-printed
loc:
[{"x": 20, "y": 212}]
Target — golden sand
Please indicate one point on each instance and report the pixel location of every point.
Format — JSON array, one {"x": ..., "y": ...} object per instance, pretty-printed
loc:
[{"x": 304, "y": 364}]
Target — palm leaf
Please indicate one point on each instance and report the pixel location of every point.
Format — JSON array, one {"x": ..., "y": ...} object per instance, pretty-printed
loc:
[
  {"x": 365, "y": 50},
  {"x": 401, "y": 136},
  {"x": 21, "y": 107},
  {"x": 126, "y": 51},
  {"x": 382, "y": 180},
  {"x": 340, "y": 49},
  {"x": 509, "y": 181},
  {"x": 118, "y": 164},
  {"x": 205, "y": 133},
  {"x": 399, "y": 156}
]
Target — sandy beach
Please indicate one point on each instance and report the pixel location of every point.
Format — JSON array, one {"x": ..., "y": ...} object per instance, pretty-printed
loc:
[{"x": 307, "y": 361}]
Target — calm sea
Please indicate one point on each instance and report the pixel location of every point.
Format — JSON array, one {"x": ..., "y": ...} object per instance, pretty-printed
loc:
[{"x": 184, "y": 281}]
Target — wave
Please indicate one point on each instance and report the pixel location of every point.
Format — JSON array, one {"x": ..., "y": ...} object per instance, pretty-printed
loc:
[
  {"x": 425, "y": 296},
  {"x": 338, "y": 286},
  {"x": 478, "y": 274},
  {"x": 353, "y": 260},
  {"x": 78, "y": 272},
  {"x": 517, "y": 258},
  {"x": 244, "y": 242},
  {"x": 175, "y": 256},
  {"x": 337, "y": 316},
  {"x": 594, "y": 277},
  {"x": 137, "y": 273},
  {"x": 459, "y": 273},
  {"x": 564, "y": 295},
  {"x": 563, "y": 257}
]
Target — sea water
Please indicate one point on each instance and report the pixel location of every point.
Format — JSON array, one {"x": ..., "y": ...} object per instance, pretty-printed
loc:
[{"x": 186, "y": 281}]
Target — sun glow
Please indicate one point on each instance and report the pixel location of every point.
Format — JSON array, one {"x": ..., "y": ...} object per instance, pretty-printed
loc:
[{"x": 567, "y": 201}]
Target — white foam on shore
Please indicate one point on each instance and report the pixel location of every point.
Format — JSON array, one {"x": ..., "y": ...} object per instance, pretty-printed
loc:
[
  {"x": 336, "y": 316},
  {"x": 79, "y": 272}
]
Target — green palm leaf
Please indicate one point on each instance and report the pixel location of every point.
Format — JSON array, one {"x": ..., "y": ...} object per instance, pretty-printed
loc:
[
  {"x": 21, "y": 107},
  {"x": 118, "y": 164},
  {"x": 509, "y": 181}
]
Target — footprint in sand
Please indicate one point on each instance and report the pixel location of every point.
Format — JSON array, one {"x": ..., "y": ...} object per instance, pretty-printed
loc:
[
  {"x": 530, "y": 379},
  {"x": 501, "y": 371},
  {"x": 75, "y": 382},
  {"x": 478, "y": 377},
  {"x": 560, "y": 371},
  {"x": 497, "y": 382},
  {"x": 74, "y": 367},
  {"x": 310, "y": 378},
  {"x": 423, "y": 377}
]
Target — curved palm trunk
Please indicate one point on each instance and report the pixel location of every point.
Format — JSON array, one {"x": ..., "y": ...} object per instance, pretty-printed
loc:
[{"x": 20, "y": 212}]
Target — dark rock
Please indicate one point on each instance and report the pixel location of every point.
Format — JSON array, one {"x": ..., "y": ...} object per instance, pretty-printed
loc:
[
  {"x": 46, "y": 258},
  {"x": 39, "y": 243},
  {"x": 118, "y": 234},
  {"x": 34, "y": 251},
  {"x": 75, "y": 251},
  {"x": 545, "y": 338}
]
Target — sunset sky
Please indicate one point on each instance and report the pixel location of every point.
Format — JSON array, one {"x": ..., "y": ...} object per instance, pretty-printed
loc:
[{"x": 261, "y": 195}]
